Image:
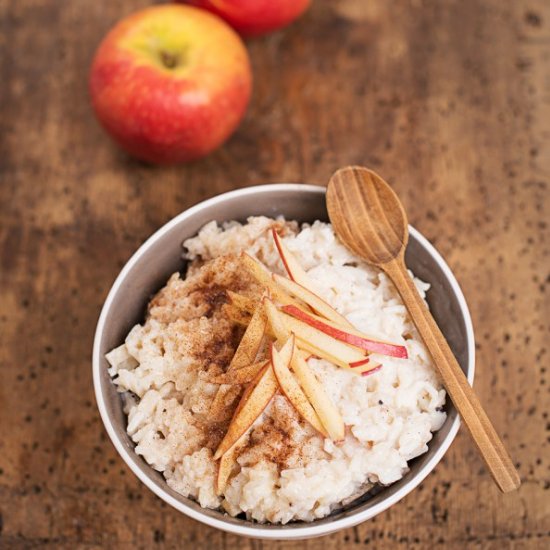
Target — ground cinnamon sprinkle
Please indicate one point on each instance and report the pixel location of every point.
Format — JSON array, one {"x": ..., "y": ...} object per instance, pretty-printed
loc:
[{"x": 204, "y": 294}]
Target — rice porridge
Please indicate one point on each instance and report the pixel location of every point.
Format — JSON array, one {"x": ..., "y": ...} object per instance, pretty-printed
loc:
[{"x": 315, "y": 412}]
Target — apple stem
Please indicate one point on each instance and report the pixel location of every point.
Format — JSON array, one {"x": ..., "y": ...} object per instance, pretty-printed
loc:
[{"x": 169, "y": 60}]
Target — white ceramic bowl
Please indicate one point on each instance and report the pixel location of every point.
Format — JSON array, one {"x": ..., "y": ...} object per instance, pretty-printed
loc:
[{"x": 161, "y": 255}]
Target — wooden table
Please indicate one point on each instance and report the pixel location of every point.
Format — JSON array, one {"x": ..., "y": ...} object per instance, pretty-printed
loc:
[{"x": 449, "y": 100}]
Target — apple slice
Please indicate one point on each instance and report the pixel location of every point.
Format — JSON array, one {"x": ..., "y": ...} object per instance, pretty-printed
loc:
[
  {"x": 224, "y": 470},
  {"x": 350, "y": 329},
  {"x": 251, "y": 341},
  {"x": 351, "y": 336},
  {"x": 241, "y": 302},
  {"x": 322, "y": 341},
  {"x": 244, "y": 375},
  {"x": 371, "y": 371},
  {"x": 286, "y": 351},
  {"x": 361, "y": 363},
  {"x": 327, "y": 412},
  {"x": 236, "y": 314},
  {"x": 228, "y": 459},
  {"x": 317, "y": 342},
  {"x": 275, "y": 322},
  {"x": 325, "y": 354},
  {"x": 245, "y": 416},
  {"x": 263, "y": 277},
  {"x": 311, "y": 299},
  {"x": 367, "y": 366},
  {"x": 295, "y": 271},
  {"x": 281, "y": 326},
  {"x": 321, "y": 354},
  {"x": 291, "y": 389},
  {"x": 248, "y": 390},
  {"x": 325, "y": 409},
  {"x": 223, "y": 399},
  {"x": 280, "y": 331},
  {"x": 277, "y": 326},
  {"x": 225, "y": 467},
  {"x": 244, "y": 355}
]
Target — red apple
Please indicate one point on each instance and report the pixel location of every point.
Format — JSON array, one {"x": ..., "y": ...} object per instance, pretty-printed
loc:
[
  {"x": 255, "y": 17},
  {"x": 170, "y": 83}
]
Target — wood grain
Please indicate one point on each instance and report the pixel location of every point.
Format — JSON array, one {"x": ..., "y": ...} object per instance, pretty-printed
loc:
[
  {"x": 449, "y": 99},
  {"x": 370, "y": 220}
]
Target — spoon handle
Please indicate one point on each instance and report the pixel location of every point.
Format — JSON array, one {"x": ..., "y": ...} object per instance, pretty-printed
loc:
[{"x": 465, "y": 400}]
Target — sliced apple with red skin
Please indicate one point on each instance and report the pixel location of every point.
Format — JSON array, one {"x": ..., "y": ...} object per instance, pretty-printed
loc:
[
  {"x": 353, "y": 337},
  {"x": 241, "y": 302},
  {"x": 244, "y": 375},
  {"x": 225, "y": 467},
  {"x": 307, "y": 287},
  {"x": 291, "y": 388},
  {"x": 300, "y": 286},
  {"x": 248, "y": 390},
  {"x": 295, "y": 271},
  {"x": 281, "y": 330},
  {"x": 364, "y": 369},
  {"x": 360, "y": 363},
  {"x": 257, "y": 400},
  {"x": 310, "y": 349},
  {"x": 322, "y": 341},
  {"x": 244, "y": 355},
  {"x": 236, "y": 314},
  {"x": 254, "y": 400},
  {"x": 223, "y": 400},
  {"x": 311, "y": 299},
  {"x": 275, "y": 322},
  {"x": 400, "y": 353},
  {"x": 371, "y": 371},
  {"x": 326, "y": 411},
  {"x": 263, "y": 277},
  {"x": 251, "y": 341}
]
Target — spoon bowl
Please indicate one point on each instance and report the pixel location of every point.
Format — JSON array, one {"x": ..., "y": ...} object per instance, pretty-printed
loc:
[{"x": 357, "y": 195}]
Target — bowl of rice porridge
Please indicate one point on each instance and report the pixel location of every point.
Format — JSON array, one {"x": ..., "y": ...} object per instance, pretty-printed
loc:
[{"x": 260, "y": 378}]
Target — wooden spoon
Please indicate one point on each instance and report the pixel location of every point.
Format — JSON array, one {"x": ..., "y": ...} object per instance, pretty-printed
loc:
[{"x": 369, "y": 219}]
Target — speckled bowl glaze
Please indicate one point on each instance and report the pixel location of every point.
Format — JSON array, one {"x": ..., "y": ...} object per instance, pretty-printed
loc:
[{"x": 161, "y": 255}]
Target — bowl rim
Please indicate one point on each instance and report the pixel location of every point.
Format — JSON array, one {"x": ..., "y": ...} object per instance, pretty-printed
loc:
[{"x": 303, "y": 530}]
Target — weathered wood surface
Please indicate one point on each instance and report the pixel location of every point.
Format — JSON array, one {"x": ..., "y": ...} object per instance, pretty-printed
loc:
[{"x": 448, "y": 99}]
